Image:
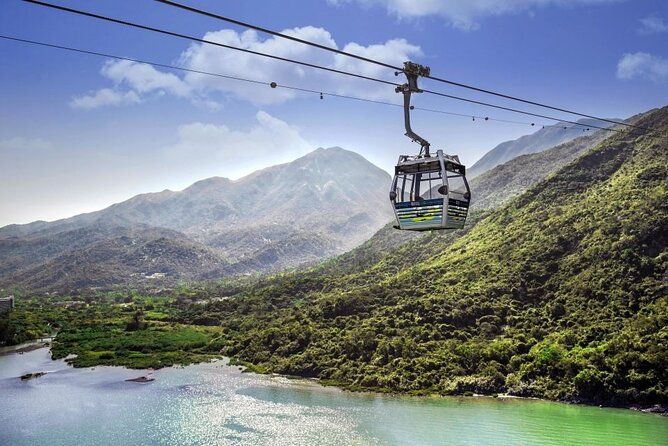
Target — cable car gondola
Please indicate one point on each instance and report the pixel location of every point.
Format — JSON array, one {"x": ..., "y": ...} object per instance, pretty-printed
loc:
[{"x": 428, "y": 191}]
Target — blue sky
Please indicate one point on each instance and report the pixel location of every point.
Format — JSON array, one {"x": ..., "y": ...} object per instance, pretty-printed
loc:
[{"x": 78, "y": 132}]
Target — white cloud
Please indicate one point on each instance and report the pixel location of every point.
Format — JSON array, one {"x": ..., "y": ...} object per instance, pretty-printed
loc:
[
  {"x": 22, "y": 144},
  {"x": 142, "y": 79},
  {"x": 270, "y": 140},
  {"x": 139, "y": 79},
  {"x": 209, "y": 58},
  {"x": 642, "y": 65},
  {"x": 464, "y": 14},
  {"x": 395, "y": 52},
  {"x": 652, "y": 24},
  {"x": 104, "y": 97}
]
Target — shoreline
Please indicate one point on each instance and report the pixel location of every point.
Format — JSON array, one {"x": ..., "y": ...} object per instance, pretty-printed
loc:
[
  {"x": 656, "y": 409},
  {"x": 26, "y": 346},
  {"x": 214, "y": 403}
]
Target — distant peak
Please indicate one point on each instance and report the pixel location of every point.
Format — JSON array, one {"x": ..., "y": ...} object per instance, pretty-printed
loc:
[
  {"x": 330, "y": 154},
  {"x": 335, "y": 149},
  {"x": 209, "y": 182}
]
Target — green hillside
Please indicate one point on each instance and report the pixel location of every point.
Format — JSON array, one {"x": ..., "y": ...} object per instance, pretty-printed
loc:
[
  {"x": 490, "y": 191},
  {"x": 559, "y": 294}
]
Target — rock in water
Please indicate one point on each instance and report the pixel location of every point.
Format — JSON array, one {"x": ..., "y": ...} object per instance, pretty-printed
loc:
[
  {"x": 28, "y": 376},
  {"x": 141, "y": 379}
]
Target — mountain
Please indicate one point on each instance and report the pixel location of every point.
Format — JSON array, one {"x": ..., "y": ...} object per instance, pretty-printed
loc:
[
  {"x": 505, "y": 181},
  {"x": 560, "y": 293},
  {"x": 317, "y": 206},
  {"x": 546, "y": 137},
  {"x": 102, "y": 257}
]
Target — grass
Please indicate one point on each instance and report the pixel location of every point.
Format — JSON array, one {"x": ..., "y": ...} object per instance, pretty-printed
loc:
[
  {"x": 100, "y": 332},
  {"x": 159, "y": 345}
]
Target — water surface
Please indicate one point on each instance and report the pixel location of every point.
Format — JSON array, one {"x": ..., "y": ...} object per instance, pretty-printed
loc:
[{"x": 215, "y": 404}]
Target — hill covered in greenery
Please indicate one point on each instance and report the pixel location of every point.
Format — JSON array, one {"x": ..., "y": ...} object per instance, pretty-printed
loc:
[
  {"x": 490, "y": 191},
  {"x": 559, "y": 294}
]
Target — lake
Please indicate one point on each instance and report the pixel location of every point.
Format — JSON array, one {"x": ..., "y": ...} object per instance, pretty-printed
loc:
[{"x": 216, "y": 404}]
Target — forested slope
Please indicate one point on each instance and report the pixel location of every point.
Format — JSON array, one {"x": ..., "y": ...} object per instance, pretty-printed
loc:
[
  {"x": 390, "y": 249},
  {"x": 559, "y": 294}
]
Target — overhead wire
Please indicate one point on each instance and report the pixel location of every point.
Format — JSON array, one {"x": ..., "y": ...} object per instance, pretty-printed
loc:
[
  {"x": 386, "y": 65},
  {"x": 302, "y": 63},
  {"x": 537, "y": 115},
  {"x": 277, "y": 34},
  {"x": 197, "y": 39},
  {"x": 311, "y": 65},
  {"x": 266, "y": 83}
]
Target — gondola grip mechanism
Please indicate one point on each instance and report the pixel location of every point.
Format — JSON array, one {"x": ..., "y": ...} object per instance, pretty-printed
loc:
[{"x": 412, "y": 72}]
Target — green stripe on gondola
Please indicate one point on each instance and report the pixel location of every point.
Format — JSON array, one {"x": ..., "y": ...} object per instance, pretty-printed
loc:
[
  {"x": 419, "y": 208},
  {"x": 421, "y": 211},
  {"x": 419, "y": 219},
  {"x": 431, "y": 224},
  {"x": 403, "y": 211},
  {"x": 420, "y": 214},
  {"x": 430, "y": 212}
]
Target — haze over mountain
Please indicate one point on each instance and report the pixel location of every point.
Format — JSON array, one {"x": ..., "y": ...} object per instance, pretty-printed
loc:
[
  {"x": 298, "y": 213},
  {"x": 322, "y": 204},
  {"x": 544, "y": 138}
]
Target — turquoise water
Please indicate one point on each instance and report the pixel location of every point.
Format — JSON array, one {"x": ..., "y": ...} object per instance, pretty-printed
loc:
[{"x": 214, "y": 404}]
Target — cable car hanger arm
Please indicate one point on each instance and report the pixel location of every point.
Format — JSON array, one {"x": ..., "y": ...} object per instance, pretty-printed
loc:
[
  {"x": 412, "y": 72},
  {"x": 424, "y": 144}
]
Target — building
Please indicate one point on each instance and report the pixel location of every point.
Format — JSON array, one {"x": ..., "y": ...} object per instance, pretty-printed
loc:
[{"x": 6, "y": 304}]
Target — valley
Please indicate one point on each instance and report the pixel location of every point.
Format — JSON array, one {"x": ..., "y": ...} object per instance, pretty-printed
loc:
[
  {"x": 341, "y": 222},
  {"x": 457, "y": 313}
]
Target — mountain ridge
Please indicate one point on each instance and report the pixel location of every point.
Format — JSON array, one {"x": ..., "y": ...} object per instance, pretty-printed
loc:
[
  {"x": 544, "y": 138},
  {"x": 327, "y": 200}
]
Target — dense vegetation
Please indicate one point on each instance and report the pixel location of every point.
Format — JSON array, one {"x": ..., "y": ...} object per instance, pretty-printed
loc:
[
  {"x": 495, "y": 187},
  {"x": 113, "y": 329},
  {"x": 560, "y": 294}
]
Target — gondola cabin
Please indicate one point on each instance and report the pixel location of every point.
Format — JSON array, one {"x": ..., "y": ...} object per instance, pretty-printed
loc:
[{"x": 430, "y": 192}]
